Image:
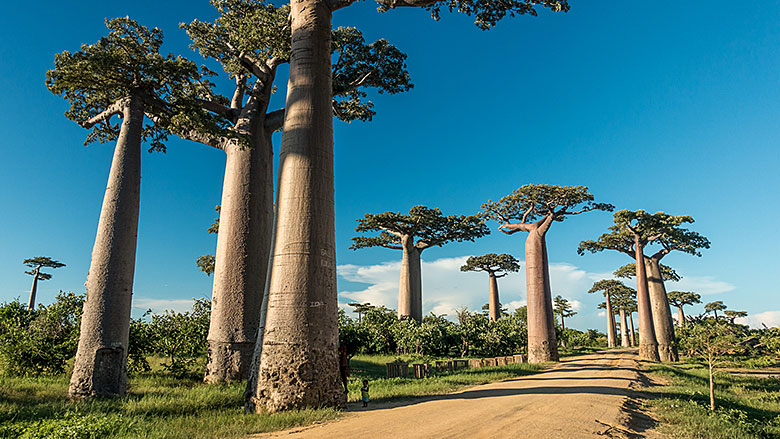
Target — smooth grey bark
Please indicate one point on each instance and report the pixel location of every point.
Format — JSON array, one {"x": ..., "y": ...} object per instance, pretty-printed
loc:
[
  {"x": 243, "y": 247},
  {"x": 101, "y": 357},
  {"x": 610, "y": 321},
  {"x": 633, "y": 331},
  {"x": 663, "y": 323},
  {"x": 33, "y": 290},
  {"x": 624, "y": 340},
  {"x": 410, "y": 284},
  {"x": 494, "y": 311},
  {"x": 542, "y": 343},
  {"x": 299, "y": 360},
  {"x": 680, "y": 316},
  {"x": 648, "y": 346}
]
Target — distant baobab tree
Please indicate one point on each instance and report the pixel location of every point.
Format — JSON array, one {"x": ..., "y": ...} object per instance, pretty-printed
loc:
[
  {"x": 714, "y": 307},
  {"x": 37, "y": 263},
  {"x": 680, "y": 299},
  {"x": 496, "y": 266}
]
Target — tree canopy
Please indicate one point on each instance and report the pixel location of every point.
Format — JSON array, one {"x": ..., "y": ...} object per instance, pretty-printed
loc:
[
  {"x": 39, "y": 262},
  {"x": 682, "y": 298},
  {"x": 628, "y": 271},
  {"x": 625, "y": 299},
  {"x": 99, "y": 79},
  {"x": 563, "y": 307},
  {"x": 732, "y": 315},
  {"x": 715, "y": 306},
  {"x": 609, "y": 286},
  {"x": 492, "y": 263},
  {"x": 540, "y": 204},
  {"x": 428, "y": 225}
]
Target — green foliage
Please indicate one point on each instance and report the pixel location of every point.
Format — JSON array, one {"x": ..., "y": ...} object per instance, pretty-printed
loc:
[
  {"x": 708, "y": 340},
  {"x": 628, "y": 271},
  {"x": 39, "y": 262},
  {"x": 181, "y": 337},
  {"x": 124, "y": 64},
  {"x": 486, "y": 13},
  {"x": 562, "y": 307},
  {"x": 492, "y": 263},
  {"x": 625, "y": 299},
  {"x": 732, "y": 315},
  {"x": 206, "y": 264},
  {"x": 682, "y": 298},
  {"x": 714, "y": 306},
  {"x": 574, "y": 338},
  {"x": 428, "y": 225},
  {"x": 41, "y": 341},
  {"x": 534, "y": 202}
]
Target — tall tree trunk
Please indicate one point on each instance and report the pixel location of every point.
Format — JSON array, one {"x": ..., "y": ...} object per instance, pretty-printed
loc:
[
  {"x": 712, "y": 388},
  {"x": 299, "y": 363},
  {"x": 648, "y": 346},
  {"x": 662, "y": 313},
  {"x": 624, "y": 340},
  {"x": 633, "y": 331},
  {"x": 610, "y": 322},
  {"x": 100, "y": 367},
  {"x": 680, "y": 316},
  {"x": 716, "y": 314},
  {"x": 410, "y": 284},
  {"x": 243, "y": 248},
  {"x": 563, "y": 328},
  {"x": 33, "y": 290},
  {"x": 542, "y": 345},
  {"x": 494, "y": 306}
]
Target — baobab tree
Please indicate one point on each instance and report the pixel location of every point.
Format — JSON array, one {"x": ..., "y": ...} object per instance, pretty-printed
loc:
[
  {"x": 37, "y": 263},
  {"x": 563, "y": 308},
  {"x": 632, "y": 232},
  {"x": 242, "y": 127},
  {"x": 361, "y": 308},
  {"x": 609, "y": 287},
  {"x": 533, "y": 208},
  {"x": 122, "y": 74},
  {"x": 412, "y": 233},
  {"x": 496, "y": 266},
  {"x": 304, "y": 271},
  {"x": 714, "y": 307},
  {"x": 733, "y": 315},
  {"x": 680, "y": 299},
  {"x": 624, "y": 301}
]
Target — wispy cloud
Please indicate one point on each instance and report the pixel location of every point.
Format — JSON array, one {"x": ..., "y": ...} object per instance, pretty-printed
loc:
[
  {"x": 141, "y": 304},
  {"x": 768, "y": 318},
  {"x": 704, "y": 285}
]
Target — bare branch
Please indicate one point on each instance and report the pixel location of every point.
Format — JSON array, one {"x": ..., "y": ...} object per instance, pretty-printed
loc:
[
  {"x": 238, "y": 95},
  {"x": 274, "y": 120},
  {"x": 217, "y": 108},
  {"x": 115, "y": 108}
]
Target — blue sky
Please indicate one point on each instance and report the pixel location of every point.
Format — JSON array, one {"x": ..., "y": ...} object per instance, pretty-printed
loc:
[{"x": 653, "y": 105}]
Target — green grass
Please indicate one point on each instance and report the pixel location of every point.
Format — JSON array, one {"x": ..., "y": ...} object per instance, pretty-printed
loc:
[
  {"x": 164, "y": 407},
  {"x": 373, "y": 369},
  {"x": 747, "y": 408}
]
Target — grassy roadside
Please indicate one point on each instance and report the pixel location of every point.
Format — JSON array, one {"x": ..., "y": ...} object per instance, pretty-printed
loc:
[
  {"x": 747, "y": 407},
  {"x": 165, "y": 407}
]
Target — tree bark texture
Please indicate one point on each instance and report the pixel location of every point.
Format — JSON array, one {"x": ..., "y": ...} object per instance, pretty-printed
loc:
[
  {"x": 101, "y": 357},
  {"x": 610, "y": 322},
  {"x": 680, "y": 316},
  {"x": 33, "y": 290},
  {"x": 633, "y": 331},
  {"x": 299, "y": 364},
  {"x": 243, "y": 247},
  {"x": 624, "y": 340},
  {"x": 648, "y": 346},
  {"x": 494, "y": 306},
  {"x": 662, "y": 313},
  {"x": 542, "y": 344},
  {"x": 410, "y": 283}
]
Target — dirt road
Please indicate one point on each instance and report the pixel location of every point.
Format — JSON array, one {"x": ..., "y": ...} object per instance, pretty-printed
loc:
[{"x": 588, "y": 396}]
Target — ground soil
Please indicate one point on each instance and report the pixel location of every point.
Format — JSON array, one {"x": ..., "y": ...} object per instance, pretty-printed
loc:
[{"x": 588, "y": 396}]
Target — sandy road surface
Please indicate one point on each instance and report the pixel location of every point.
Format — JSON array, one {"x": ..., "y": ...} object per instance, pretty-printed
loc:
[{"x": 586, "y": 396}]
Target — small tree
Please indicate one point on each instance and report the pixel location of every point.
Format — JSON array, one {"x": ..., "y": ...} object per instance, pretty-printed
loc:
[
  {"x": 37, "y": 263},
  {"x": 533, "y": 208},
  {"x": 360, "y": 309},
  {"x": 496, "y": 266},
  {"x": 712, "y": 341},
  {"x": 609, "y": 288},
  {"x": 421, "y": 229},
  {"x": 680, "y": 299},
  {"x": 714, "y": 307},
  {"x": 206, "y": 263},
  {"x": 732, "y": 315},
  {"x": 563, "y": 308}
]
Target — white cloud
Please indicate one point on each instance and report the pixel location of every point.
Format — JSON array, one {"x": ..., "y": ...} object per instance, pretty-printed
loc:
[
  {"x": 704, "y": 285},
  {"x": 768, "y": 318},
  {"x": 602, "y": 314},
  {"x": 141, "y": 304}
]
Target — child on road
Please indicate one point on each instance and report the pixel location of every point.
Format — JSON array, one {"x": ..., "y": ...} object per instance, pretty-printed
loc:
[{"x": 364, "y": 393}]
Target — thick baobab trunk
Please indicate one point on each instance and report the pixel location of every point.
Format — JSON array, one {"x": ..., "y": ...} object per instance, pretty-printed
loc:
[
  {"x": 33, "y": 290},
  {"x": 410, "y": 284},
  {"x": 494, "y": 306},
  {"x": 662, "y": 313},
  {"x": 648, "y": 346},
  {"x": 542, "y": 345},
  {"x": 101, "y": 357},
  {"x": 633, "y": 331},
  {"x": 299, "y": 364},
  {"x": 610, "y": 322},
  {"x": 624, "y": 340},
  {"x": 680, "y": 316},
  {"x": 243, "y": 247}
]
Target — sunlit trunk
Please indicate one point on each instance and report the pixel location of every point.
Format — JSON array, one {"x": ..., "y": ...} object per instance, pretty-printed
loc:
[
  {"x": 610, "y": 322},
  {"x": 33, "y": 290},
  {"x": 663, "y": 323},
  {"x": 648, "y": 346},
  {"x": 542, "y": 343},
  {"x": 410, "y": 283},
  {"x": 494, "y": 306},
  {"x": 624, "y": 340},
  {"x": 633, "y": 331},
  {"x": 680, "y": 316}
]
